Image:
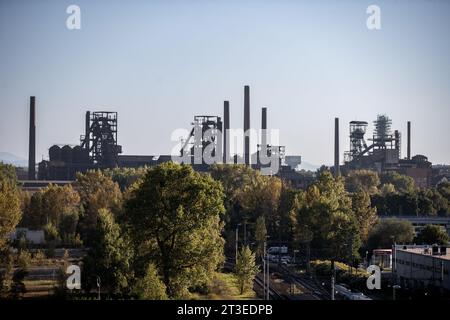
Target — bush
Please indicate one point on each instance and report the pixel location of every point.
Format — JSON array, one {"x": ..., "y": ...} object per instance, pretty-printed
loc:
[
  {"x": 39, "y": 257},
  {"x": 24, "y": 260},
  {"x": 150, "y": 287},
  {"x": 51, "y": 232}
]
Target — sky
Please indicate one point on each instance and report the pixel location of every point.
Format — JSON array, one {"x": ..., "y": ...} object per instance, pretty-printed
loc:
[{"x": 159, "y": 63}]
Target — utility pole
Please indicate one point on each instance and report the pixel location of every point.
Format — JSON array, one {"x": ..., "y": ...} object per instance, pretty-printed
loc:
[
  {"x": 237, "y": 241},
  {"x": 268, "y": 280},
  {"x": 264, "y": 271},
  {"x": 245, "y": 232}
]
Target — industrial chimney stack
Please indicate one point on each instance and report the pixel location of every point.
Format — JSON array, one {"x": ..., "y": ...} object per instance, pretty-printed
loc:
[
  {"x": 264, "y": 128},
  {"x": 337, "y": 169},
  {"x": 32, "y": 142},
  {"x": 225, "y": 133},
  {"x": 409, "y": 141},
  {"x": 87, "y": 130},
  {"x": 247, "y": 125}
]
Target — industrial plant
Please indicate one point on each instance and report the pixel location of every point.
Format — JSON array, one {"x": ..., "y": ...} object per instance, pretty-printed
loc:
[
  {"x": 98, "y": 147},
  {"x": 382, "y": 152}
]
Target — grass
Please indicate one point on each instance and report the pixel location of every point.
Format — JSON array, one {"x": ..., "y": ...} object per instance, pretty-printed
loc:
[{"x": 224, "y": 287}]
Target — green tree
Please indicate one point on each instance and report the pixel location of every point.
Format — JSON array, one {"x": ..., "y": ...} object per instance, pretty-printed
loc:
[
  {"x": 432, "y": 234},
  {"x": 234, "y": 178},
  {"x": 174, "y": 220},
  {"x": 387, "y": 188},
  {"x": 126, "y": 177},
  {"x": 10, "y": 213},
  {"x": 387, "y": 231},
  {"x": 150, "y": 286},
  {"x": 51, "y": 205},
  {"x": 246, "y": 269},
  {"x": 97, "y": 190},
  {"x": 325, "y": 216},
  {"x": 260, "y": 235},
  {"x": 109, "y": 257},
  {"x": 402, "y": 183},
  {"x": 6, "y": 276},
  {"x": 364, "y": 213},
  {"x": 365, "y": 180}
]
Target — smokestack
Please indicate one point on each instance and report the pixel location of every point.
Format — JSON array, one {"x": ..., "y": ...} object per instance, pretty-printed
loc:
[
  {"x": 226, "y": 127},
  {"x": 397, "y": 140},
  {"x": 247, "y": 125},
  {"x": 32, "y": 142},
  {"x": 409, "y": 141},
  {"x": 87, "y": 134},
  {"x": 337, "y": 169},
  {"x": 264, "y": 127}
]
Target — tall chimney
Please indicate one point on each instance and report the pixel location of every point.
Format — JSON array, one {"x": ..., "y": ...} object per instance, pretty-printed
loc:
[
  {"x": 87, "y": 130},
  {"x": 337, "y": 169},
  {"x": 409, "y": 141},
  {"x": 32, "y": 142},
  {"x": 225, "y": 133},
  {"x": 247, "y": 125},
  {"x": 264, "y": 127}
]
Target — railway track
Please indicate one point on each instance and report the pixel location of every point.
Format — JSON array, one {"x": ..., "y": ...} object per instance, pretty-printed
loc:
[
  {"x": 273, "y": 294},
  {"x": 315, "y": 290},
  {"x": 258, "y": 281}
]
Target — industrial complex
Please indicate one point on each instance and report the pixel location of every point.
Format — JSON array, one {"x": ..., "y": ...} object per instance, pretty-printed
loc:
[
  {"x": 382, "y": 152},
  {"x": 98, "y": 147}
]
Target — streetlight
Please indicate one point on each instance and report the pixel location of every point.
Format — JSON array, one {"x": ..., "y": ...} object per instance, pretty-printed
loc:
[
  {"x": 98, "y": 286},
  {"x": 367, "y": 261}
]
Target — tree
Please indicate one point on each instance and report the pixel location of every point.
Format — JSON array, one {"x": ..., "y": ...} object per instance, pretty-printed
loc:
[
  {"x": 10, "y": 213},
  {"x": 432, "y": 234},
  {"x": 365, "y": 180},
  {"x": 109, "y": 257},
  {"x": 260, "y": 235},
  {"x": 51, "y": 206},
  {"x": 125, "y": 177},
  {"x": 364, "y": 213},
  {"x": 249, "y": 195},
  {"x": 174, "y": 220},
  {"x": 388, "y": 231},
  {"x": 150, "y": 287},
  {"x": 246, "y": 269},
  {"x": 402, "y": 183},
  {"x": 96, "y": 190},
  {"x": 325, "y": 216}
]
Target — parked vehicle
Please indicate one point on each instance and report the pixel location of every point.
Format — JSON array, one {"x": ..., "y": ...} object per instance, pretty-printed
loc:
[{"x": 277, "y": 250}]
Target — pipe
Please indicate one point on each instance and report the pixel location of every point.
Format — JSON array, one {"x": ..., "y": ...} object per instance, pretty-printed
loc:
[{"x": 32, "y": 141}]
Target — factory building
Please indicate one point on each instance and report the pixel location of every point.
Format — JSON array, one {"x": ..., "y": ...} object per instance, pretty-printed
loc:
[
  {"x": 422, "y": 267},
  {"x": 382, "y": 152}
]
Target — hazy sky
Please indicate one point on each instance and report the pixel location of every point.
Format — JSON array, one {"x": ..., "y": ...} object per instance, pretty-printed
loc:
[{"x": 158, "y": 63}]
